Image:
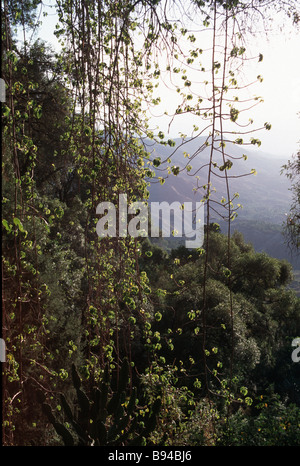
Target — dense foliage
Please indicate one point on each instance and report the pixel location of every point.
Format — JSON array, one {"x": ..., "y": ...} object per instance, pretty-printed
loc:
[
  {"x": 292, "y": 228},
  {"x": 205, "y": 334}
]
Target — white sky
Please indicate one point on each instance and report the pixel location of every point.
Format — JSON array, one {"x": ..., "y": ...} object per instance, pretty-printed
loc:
[
  {"x": 281, "y": 92},
  {"x": 280, "y": 89}
]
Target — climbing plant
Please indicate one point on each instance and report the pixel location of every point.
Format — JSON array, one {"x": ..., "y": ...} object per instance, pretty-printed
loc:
[{"x": 80, "y": 130}]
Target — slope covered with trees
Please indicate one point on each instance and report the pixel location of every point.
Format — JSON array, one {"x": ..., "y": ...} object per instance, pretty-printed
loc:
[
  {"x": 268, "y": 187},
  {"x": 113, "y": 340}
]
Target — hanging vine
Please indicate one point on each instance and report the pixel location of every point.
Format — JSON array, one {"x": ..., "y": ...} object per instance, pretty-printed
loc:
[{"x": 81, "y": 129}]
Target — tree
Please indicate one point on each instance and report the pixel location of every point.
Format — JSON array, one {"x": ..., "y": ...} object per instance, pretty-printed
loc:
[
  {"x": 292, "y": 227},
  {"x": 265, "y": 314},
  {"x": 75, "y": 132}
]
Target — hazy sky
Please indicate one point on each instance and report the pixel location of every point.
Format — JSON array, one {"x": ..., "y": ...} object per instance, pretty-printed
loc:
[
  {"x": 281, "y": 92},
  {"x": 280, "y": 88}
]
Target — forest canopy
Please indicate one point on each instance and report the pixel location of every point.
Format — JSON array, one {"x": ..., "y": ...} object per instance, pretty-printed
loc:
[{"x": 118, "y": 341}]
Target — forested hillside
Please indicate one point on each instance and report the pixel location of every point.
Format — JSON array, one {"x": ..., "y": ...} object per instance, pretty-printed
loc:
[
  {"x": 263, "y": 227},
  {"x": 121, "y": 340}
]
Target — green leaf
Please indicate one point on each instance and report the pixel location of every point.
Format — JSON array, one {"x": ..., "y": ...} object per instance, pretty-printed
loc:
[
  {"x": 234, "y": 113},
  {"x": 48, "y": 412},
  {"x": 175, "y": 170},
  {"x": 87, "y": 131},
  {"x": 66, "y": 407},
  {"x": 83, "y": 401},
  {"x": 38, "y": 112},
  {"x": 6, "y": 226},
  {"x": 64, "y": 433},
  {"x": 19, "y": 224},
  {"x": 75, "y": 377},
  {"x": 268, "y": 126}
]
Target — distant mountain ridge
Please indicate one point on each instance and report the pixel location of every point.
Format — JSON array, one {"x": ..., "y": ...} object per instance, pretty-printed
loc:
[{"x": 265, "y": 196}]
